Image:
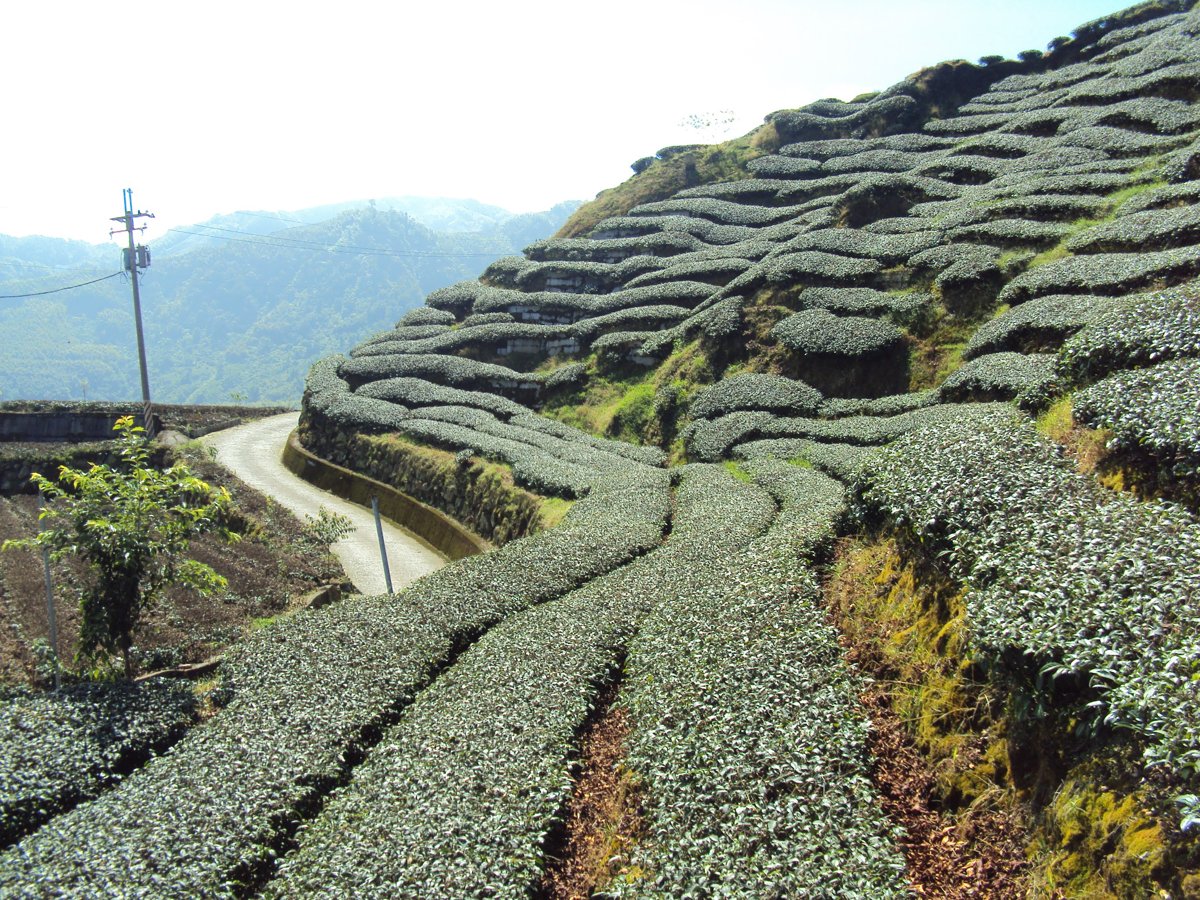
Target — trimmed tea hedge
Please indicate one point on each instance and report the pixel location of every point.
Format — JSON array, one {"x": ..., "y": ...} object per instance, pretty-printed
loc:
[
  {"x": 1102, "y": 273},
  {"x": 1140, "y": 231},
  {"x": 839, "y": 407},
  {"x": 709, "y": 440},
  {"x": 416, "y": 392},
  {"x": 763, "y": 392},
  {"x": 1027, "y": 379},
  {"x": 426, "y": 315},
  {"x": 308, "y": 694},
  {"x": 820, "y": 331},
  {"x": 1039, "y": 325},
  {"x": 867, "y": 302},
  {"x": 1154, "y": 417},
  {"x": 1135, "y": 331},
  {"x": 747, "y": 734},
  {"x": 58, "y": 749},
  {"x": 445, "y": 807},
  {"x": 1070, "y": 589},
  {"x": 840, "y": 461}
]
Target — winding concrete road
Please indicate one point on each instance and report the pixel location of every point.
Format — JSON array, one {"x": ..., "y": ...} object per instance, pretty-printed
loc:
[{"x": 253, "y": 452}]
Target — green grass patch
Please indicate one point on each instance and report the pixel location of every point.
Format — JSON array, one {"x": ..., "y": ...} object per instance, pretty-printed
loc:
[
  {"x": 553, "y": 510},
  {"x": 934, "y": 356},
  {"x": 737, "y": 471}
]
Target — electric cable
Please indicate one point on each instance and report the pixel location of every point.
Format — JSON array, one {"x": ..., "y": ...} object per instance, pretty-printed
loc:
[{"x": 69, "y": 287}]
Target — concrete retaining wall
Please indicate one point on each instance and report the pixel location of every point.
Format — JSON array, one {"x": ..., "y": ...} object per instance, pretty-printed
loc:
[{"x": 434, "y": 526}]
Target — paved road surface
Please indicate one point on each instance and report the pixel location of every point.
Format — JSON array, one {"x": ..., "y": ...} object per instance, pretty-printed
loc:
[{"x": 253, "y": 452}]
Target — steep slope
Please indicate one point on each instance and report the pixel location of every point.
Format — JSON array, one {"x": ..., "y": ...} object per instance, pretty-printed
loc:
[{"x": 846, "y": 349}]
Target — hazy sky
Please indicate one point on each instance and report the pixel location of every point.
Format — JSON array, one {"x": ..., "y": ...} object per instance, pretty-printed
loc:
[{"x": 207, "y": 108}]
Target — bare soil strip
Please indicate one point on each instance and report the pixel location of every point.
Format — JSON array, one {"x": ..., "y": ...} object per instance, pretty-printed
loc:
[{"x": 603, "y": 817}]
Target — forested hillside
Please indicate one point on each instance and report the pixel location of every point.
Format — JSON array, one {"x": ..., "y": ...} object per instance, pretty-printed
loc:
[
  {"x": 879, "y": 430},
  {"x": 237, "y": 309}
]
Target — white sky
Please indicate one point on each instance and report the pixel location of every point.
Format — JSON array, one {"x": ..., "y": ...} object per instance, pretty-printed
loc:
[{"x": 212, "y": 107}]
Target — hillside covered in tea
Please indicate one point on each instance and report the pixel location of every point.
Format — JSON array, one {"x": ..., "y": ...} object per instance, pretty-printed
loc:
[{"x": 877, "y": 433}]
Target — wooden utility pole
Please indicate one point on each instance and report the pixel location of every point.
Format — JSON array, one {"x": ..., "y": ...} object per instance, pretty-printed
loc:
[{"x": 137, "y": 257}]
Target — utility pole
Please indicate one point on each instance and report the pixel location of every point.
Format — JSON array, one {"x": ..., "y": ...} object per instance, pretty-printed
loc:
[{"x": 137, "y": 257}]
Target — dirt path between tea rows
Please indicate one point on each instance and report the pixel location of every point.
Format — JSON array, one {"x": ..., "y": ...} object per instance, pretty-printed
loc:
[{"x": 253, "y": 453}]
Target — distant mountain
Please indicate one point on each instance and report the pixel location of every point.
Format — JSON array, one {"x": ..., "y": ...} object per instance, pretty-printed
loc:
[{"x": 241, "y": 306}]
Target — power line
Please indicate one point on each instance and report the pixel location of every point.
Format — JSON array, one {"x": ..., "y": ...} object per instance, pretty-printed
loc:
[{"x": 69, "y": 287}]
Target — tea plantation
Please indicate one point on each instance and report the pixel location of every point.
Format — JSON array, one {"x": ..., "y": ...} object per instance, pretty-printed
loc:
[{"x": 959, "y": 318}]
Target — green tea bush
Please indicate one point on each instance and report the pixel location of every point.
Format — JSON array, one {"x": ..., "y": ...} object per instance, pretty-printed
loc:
[
  {"x": 1119, "y": 143},
  {"x": 1070, "y": 584},
  {"x": 709, "y": 440},
  {"x": 719, "y": 212},
  {"x": 868, "y": 302},
  {"x": 718, "y": 271},
  {"x": 1102, "y": 273},
  {"x": 1038, "y": 325},
  {"x": 306, "y": 697},
  {"x": 840, "y": 461},
  {"x": 666, "y": 243},
  {"x": 1152, "y": 413},
  {"x": 450, "y": 370},
  {"x": 639, "y": 318},
  {"x": 404, "y": 333},
  {"x": 894, "y": 404},
  {"x": 634, "y": 226},
  {"x": 747, "y": 733},
  {"x": 887, "y": 249},
  {"x": 783, "y": 167},
  {"x": 1011, "y": 232},
  {"x": 426, "y": 315},
  {"x": 1153, "y": 228},
  {"x": 820, "y": 331},
  {"x": 879, "y": 160},
  {"x": 505, "y": 271},
  {"x": 1172, "y": 195},
  {"x": 1029, "y": 379},
  {"x": 533, "y": 679},
  {"x": 1135, "y": 331},
  {"x": 58, "y": 749},
  {"x": 417, "y": 392},
  {"x": 773, "y": 393}
]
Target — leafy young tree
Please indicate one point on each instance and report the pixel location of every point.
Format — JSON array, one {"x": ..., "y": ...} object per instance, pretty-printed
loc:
[{"x": 131, "y": 525}]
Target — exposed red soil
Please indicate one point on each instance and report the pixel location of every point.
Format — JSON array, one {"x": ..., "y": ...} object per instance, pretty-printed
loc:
[
  {"x": 978, "y": 855},
  {"x": 602, "y": 819}
]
